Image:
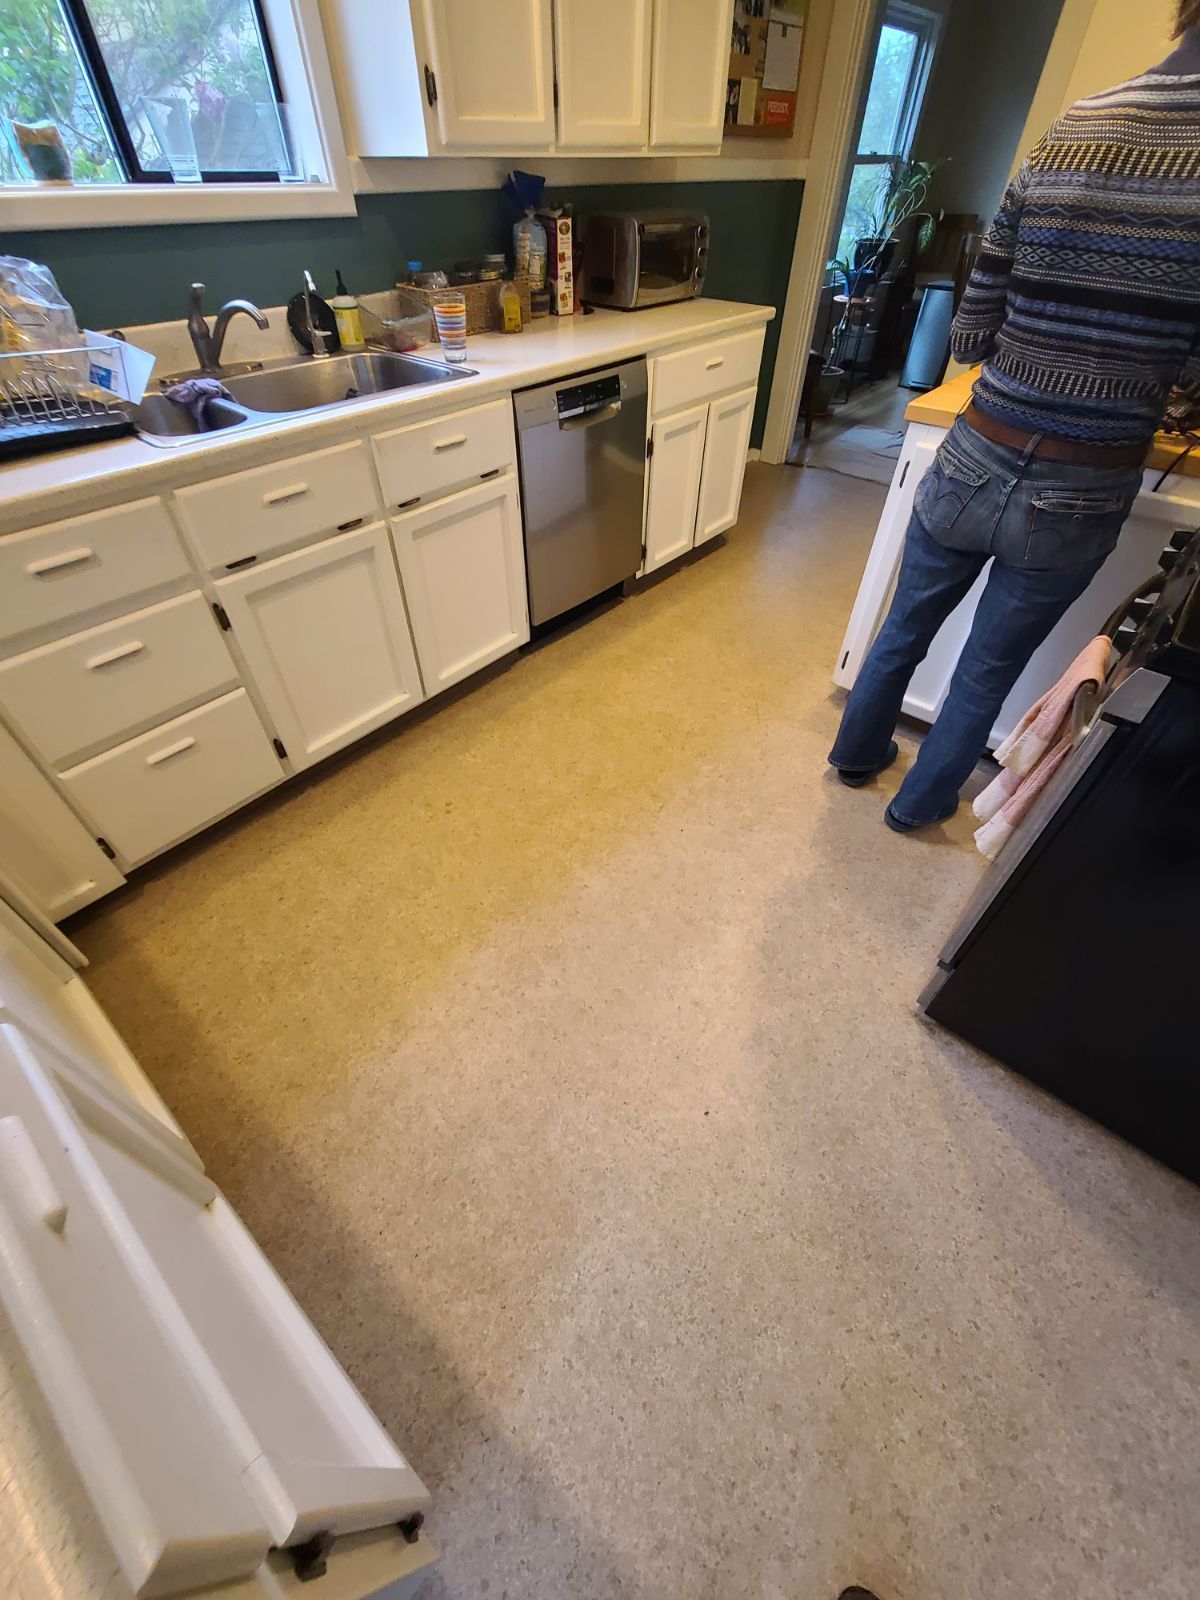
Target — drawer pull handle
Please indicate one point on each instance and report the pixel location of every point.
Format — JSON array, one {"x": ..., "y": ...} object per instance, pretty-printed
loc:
[
  {"x": 281, "y": 497},
  {"x": 717, "y": 361},
  {"x": 35, "y": 1185},
  {"x": 166, "y": 754},
  {"x": 449, "y": 444},
  {"x": 93, "y": 663},
  {"x": 69, "y": 558}
]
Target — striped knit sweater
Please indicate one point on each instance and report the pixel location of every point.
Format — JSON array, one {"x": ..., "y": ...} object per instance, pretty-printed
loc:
[{"x": 1084, "y": 303}]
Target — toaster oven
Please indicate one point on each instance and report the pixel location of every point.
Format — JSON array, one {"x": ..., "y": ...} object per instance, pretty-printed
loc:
[{"x": 633, "y": 259}]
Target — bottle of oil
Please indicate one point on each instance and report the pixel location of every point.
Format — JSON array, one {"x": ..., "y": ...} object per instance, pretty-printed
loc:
[{"x": 510, "y": 309}]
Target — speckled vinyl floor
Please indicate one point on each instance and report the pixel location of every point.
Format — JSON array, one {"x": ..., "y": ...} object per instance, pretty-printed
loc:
[{"x": 560, "y": 1052}]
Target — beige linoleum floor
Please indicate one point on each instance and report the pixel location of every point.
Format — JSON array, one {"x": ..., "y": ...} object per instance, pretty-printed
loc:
[{"x": 560, "y": 1052}]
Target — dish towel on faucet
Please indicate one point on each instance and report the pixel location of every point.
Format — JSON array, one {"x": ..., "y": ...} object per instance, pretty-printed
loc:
[{"x": 1035, "y": 749}]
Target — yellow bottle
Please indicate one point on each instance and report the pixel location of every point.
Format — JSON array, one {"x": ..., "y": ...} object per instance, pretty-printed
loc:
[
  {"x": 348, "y": 318},
  {"x": 510, "y": 309}
]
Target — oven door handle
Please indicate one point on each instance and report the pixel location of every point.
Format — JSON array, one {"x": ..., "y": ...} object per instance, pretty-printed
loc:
[{"x": 591, "y": 418}]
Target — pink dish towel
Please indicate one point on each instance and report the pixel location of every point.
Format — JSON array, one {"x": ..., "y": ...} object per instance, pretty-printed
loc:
[{"x": 1035, "y": 749}]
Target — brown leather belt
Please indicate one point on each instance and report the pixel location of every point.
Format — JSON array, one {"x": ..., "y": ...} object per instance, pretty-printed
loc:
[{"x": 1048, "y": 449}]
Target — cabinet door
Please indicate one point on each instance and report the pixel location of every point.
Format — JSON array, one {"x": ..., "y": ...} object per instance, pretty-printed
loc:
[
  {"x": 493, "y": 63},
  {"x": 603, "y": 54},
  {"x": 725, "y": 444},
  {"x": 207, "y": 1418},
  {"x": 691, "y": 69},
  {"x": 463, "y": 565},
  {"x": 45, "y": 851},
  {"x": 676, "y": 458},
  {"x": 326, "y": 641}
]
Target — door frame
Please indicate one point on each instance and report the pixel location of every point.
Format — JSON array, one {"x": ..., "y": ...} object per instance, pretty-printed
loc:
[{"x": 848, "y": 56}]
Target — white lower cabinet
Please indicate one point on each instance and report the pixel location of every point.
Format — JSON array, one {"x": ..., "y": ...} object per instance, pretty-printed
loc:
[
  {"x": 325, "y": 638},
  {"x": 677, "y": 458},
  {"x": 46, "y": 853},
  {"x": 154, "y": 790},
  {"x": 463, "y": 564},
  {"x": 725, "y": 442},
  {"x": 207, "y": 1420}
]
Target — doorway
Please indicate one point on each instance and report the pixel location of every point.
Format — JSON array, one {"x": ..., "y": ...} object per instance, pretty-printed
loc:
[{"x": 926, "y": 169}]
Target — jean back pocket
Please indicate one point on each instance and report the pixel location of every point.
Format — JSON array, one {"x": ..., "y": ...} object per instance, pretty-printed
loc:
[
  {"x": 946, "y": 488},
  {"x": 1069, "y": 527}
]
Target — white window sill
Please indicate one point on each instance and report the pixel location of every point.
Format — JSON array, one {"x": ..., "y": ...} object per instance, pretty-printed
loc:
[{"x": 97, "y": 205}]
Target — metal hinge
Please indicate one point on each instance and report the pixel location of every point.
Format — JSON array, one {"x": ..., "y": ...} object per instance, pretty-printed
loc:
[
  {"x": 430, "y": 86},
  {"x": 649, "y": 448},
  {"x": 279, "y": 749},
  {"x": 222, "y": 617},
  {"x": 107, "y": 848}
]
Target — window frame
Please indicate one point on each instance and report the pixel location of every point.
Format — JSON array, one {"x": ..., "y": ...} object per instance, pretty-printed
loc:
[{"x": 298, "y": 56}]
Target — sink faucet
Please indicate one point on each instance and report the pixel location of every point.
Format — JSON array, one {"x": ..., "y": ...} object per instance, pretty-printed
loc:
[
  {"x": 207, "y": 344},
  {"x": 319, "y": 340}
]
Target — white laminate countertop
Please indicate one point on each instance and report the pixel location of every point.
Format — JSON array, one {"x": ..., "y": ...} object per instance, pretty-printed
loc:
[{"x": 69, "y": 481}]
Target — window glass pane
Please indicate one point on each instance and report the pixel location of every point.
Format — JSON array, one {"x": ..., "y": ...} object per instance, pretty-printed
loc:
[
  {"x": 42, "y": 80},
  {"x": 193, "y": 83},
  {"x": 867, "y": 195},
  {"x": 886, "y": 98}
]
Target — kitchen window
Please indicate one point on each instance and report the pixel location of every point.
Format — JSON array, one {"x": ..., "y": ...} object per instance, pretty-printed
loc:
[
  {"x": 904, "y": 55},
  {"x": 132, "y": 110}
]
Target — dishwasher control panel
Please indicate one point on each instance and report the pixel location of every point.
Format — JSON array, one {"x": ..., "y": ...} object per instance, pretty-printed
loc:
[{"x": 593, "y": 395}]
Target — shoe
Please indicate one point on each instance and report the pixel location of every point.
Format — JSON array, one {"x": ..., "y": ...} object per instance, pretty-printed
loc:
[
  {"x": 898, "y": 824},
  {"x": 855, "y": 777}
]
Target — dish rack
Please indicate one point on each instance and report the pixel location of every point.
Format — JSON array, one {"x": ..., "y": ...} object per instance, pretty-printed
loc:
[{"x": 53, "y": 399}]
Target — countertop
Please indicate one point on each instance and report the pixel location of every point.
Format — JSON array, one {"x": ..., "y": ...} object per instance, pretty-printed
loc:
[
  {"x": 939, "y": 407},
  {"x": 70, "y": 481}
]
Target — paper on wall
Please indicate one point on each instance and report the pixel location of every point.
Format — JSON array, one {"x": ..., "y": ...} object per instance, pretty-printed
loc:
[{"x": 781, "y": 70}]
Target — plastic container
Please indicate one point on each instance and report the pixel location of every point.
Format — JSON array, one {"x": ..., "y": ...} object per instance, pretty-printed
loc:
[
  {"x": 529, "y": 249},
  {"x": 348, "y": 318},
  {"x": 493, "y": 267},
  {"x": 510, "y": 309}
]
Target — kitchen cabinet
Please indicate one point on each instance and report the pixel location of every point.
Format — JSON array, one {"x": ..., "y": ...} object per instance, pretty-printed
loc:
[
  {"x": 690, "y": 73},
  {"x": 491, "y": 66},
  {"x": 458, "y": 76},
  {"x": 208, "y": 1422},
  {"x": 325, "y": 638},
  {"x": 726, "y": 438},
  {"x": 46, "y": 853},
  {"x": 463, "y": 564},
  {"x": 603, "y": 54},
  {"x": 676, "y": 461}
]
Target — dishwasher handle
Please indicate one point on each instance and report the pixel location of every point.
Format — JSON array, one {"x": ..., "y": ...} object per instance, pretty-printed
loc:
[{"x": 590, "y": 418}]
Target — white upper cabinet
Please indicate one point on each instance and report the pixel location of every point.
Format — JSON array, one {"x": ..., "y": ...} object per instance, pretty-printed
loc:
[
  {"x": 691, "y": 69},
  {"x": 443, "y": 77},
  {"x": 492, "y": 65},
  {"x": 325, "y": 636},
  {"x": 603, "y": 54}
]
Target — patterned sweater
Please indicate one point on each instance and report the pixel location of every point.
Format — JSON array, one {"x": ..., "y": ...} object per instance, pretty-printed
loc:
[{"x": 1085, "y": 300}]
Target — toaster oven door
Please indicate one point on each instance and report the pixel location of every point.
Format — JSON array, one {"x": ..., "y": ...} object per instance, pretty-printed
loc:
[{"x": 672, "y": 258}]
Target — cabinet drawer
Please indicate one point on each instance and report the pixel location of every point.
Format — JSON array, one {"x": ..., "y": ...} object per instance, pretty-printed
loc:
[
  {"x": 65, "y": 568},
  {"x": 689, "y": 376},
  {"x": 153, "y": 790},
  {"x": 93, "y": 688},
  {"x": 258, "y": 512},
  {"x": 432, "y": 458}
]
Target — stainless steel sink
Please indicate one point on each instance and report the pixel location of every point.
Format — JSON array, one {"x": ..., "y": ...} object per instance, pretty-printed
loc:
[
  {"x": 311, "y": 385},
  {"x": 286, "y": 388},
  {"x": 161, "y": 421}
]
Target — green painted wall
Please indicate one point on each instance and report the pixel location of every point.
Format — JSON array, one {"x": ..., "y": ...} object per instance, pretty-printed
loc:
[{"x": 116, "y": 276}]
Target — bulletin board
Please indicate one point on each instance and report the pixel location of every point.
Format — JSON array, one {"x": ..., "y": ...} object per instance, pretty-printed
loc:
[{"x": 764, "y": 67}]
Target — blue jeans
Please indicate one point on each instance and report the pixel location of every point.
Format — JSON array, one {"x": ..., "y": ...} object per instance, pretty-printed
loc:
[{"x": 1047, "y": 528}]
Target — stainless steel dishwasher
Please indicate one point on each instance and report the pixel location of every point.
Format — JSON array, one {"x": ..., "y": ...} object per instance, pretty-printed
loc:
[{"x": 582, "y": 445}]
